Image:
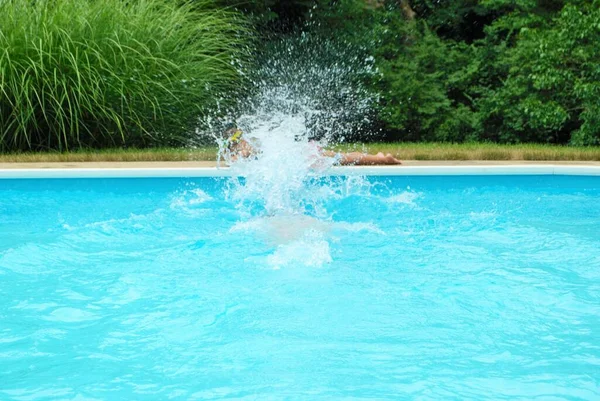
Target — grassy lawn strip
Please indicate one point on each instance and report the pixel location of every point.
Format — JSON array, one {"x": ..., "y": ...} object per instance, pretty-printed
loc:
[
  {"x": 114, "y": 155},
  {"x": 478, "y": 151},
  {"x": 404, "y": 151}
]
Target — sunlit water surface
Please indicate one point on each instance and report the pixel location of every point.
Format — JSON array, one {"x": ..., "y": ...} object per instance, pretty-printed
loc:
[{"x": 424, "y": 288}]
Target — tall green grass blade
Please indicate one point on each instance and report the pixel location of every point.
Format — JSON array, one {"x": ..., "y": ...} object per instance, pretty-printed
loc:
[{"x": 93, "y": 73}]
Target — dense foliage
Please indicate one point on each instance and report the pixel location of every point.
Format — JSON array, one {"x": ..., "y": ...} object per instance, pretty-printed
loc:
[
  {"x": 551, "y": 89},
  {"x": 466, "y": 70},
  {"x": 110, "y": 73}
]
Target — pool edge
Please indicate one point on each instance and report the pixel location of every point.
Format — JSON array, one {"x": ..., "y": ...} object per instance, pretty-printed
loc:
[{"x": 189, "y": 172}]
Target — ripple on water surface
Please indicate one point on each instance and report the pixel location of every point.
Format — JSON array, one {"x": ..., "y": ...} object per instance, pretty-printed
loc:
[{"x": 414, "y": 288}]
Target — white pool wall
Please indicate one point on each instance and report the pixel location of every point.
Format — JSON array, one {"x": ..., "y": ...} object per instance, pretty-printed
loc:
[{"x": 546, "y": 169}]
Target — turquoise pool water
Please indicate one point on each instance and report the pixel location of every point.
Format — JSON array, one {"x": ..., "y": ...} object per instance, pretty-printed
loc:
[{"x": 397, "y": 288}]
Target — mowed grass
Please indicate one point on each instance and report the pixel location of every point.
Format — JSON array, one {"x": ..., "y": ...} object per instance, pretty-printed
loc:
[
  {"x": 404, "y": 151},
  {"x": 478, "y": 151},
  {"x": 113, "y": 155}
]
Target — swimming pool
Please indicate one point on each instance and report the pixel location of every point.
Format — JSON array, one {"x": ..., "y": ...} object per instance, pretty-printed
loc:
[{"x": 406, "y": 287}]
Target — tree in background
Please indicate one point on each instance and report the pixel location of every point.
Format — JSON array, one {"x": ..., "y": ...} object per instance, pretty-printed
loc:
[
  {"x": 499, "y": 70},
  {"x": 462, "y": 70},
  {"x": 551, "y": 83},
  {"x": 272, "y": 17}
]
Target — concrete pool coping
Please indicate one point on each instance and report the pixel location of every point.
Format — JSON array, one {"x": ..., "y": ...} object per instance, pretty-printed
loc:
[{"x": 209, "y": 169}]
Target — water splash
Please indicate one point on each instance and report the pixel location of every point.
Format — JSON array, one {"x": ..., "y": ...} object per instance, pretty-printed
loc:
[
  {"x": 300, "y": 239},
  {"x": 307, "y": 96}
]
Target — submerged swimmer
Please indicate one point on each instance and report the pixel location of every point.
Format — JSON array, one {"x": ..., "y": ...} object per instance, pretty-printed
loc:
[{"x": 240, "y": 147}]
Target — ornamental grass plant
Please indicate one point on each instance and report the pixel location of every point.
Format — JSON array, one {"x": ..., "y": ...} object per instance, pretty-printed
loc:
[{"x": 112, "y": 73}]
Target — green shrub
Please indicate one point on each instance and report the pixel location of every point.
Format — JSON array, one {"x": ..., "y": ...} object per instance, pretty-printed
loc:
[
  {"x": 493, "y": 70},
  {"x": 421, "y": 80},
  {"x": 551, "y": 89},
  {"x": 85, "y": 73},
  {"x": 423, "y": 93}
]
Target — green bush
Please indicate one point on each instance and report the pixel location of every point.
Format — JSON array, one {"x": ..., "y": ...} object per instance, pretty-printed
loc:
[
  {"x": 419, "y": 76},
  {"x": 85, "y": 73},
  {"x": 423, "y": 94},
  {"x": 493, "y": 70},
  {"x": 551, "y": 90}
]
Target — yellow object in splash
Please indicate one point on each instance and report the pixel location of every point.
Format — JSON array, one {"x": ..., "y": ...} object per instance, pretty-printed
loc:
[{"x": 236, "y": 136}]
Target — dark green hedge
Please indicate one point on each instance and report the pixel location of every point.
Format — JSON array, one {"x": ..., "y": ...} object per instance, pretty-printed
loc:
[{"x": 464, "y": 70}]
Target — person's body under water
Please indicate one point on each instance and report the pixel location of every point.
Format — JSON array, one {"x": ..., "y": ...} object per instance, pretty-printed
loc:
[{"x": 239, "y": 147}]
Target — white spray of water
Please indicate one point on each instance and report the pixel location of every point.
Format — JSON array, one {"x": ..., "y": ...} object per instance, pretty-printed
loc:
[{"x": 306, "y": 96}]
